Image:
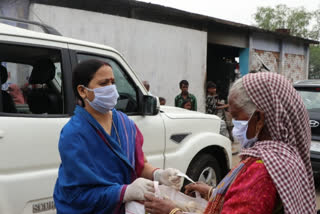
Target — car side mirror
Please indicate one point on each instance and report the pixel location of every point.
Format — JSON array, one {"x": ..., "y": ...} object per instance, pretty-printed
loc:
[{"x": 151, "y": 105}]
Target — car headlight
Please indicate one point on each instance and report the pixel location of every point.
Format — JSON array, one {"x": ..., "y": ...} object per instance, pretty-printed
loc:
[{"x": 315, "y": 146}]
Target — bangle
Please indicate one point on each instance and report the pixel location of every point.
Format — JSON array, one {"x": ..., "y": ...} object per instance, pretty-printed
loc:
[
  {"x": 153, "y": 171},
  {"x": 173, "y": 211},
  {"x": 210, "y": 192}
]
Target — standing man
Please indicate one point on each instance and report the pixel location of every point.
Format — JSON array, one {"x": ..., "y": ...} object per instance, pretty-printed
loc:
[{"x": 185, "y": 95}]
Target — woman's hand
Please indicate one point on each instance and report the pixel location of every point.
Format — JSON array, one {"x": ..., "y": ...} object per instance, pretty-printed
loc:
[
  {"x": 136, "y": 190},
  {"x": 155, "y": 205},
  {"x": 200, "y": 187}
]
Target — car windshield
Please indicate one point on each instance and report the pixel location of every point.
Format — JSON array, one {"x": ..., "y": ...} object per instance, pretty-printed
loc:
[{"x": 311, "y": 99}]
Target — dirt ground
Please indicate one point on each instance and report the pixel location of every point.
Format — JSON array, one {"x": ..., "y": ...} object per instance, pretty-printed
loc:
[{"x": 235, "y": 160}]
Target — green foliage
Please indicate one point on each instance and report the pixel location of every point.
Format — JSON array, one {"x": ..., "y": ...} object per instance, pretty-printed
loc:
[
  {"x": 315, "y": 29},
  {"x": 300, "y": 23},
  {"x": 295, "y": 19},
  {"x": 314, "y": 62}
]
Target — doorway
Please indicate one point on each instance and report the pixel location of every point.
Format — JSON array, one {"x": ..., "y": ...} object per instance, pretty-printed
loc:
[{"x": 223, "y": 67}]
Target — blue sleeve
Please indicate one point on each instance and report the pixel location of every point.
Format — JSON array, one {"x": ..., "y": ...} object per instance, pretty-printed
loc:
[
  {"x": 80, "y": 188},
  {"x": 93, "y": 200}
]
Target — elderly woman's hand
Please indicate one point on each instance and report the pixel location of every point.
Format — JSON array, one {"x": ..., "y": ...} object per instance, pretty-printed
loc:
[
  {"x": 168, "y": 177},
  {"x": 155, "y": 205},
  {"x": 200, "y": 187}
]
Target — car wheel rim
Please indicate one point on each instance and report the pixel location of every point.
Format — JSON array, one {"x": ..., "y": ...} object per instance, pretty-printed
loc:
[{"x": 208, "y": 176}]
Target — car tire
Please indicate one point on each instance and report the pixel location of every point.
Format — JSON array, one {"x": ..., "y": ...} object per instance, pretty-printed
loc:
[{"x": 204, "y": 167}]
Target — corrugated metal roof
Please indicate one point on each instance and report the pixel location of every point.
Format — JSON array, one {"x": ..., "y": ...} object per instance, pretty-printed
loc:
[{"x": 162, "y": 14}]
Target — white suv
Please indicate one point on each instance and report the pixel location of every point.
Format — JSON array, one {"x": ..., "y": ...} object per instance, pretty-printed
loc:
[{"x": 44, "y": 102}]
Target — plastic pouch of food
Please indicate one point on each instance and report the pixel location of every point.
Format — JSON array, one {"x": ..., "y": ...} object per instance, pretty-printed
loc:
[{"x": 188, "y": 204}]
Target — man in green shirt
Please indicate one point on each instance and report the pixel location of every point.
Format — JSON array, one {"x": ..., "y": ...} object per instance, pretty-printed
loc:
[{"x": 185, "y": 95}]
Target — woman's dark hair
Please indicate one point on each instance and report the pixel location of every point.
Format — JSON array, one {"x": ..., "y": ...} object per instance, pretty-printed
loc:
[{"x": 83, "y": 73}]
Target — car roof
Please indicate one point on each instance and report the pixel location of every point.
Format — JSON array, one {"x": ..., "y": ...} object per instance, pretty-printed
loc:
[
  {"x": 6, "y": 29},
  {"x": 307, "y": 83}
]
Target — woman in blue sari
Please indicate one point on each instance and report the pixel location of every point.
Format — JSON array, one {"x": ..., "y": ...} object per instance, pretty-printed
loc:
[{"x": 102, "y": 162}]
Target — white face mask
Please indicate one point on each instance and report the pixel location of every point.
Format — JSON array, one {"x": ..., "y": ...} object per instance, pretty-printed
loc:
[
  {"x": 105, "y": 98},
  {"x": 239, "y": 132}
]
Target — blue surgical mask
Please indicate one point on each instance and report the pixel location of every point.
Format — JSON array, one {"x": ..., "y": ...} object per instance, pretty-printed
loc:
[
  {"x": 239, "y": 132},
  {"x": 105, "y": 98}
]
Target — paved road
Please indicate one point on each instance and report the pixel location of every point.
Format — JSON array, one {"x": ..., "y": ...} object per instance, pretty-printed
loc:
[{"x": 235, "y": 160}]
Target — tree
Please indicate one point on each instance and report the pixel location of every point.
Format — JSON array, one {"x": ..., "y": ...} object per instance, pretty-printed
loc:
[
  {"x": 300, "y": 22},
  {"x": 315, "y": 30},
  {"x": 314, "y": 62},
  {"x": 295, "y": 19}
]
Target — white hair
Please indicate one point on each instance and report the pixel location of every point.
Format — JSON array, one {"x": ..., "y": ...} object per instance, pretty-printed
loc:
[{"x": 241, "y": 97}]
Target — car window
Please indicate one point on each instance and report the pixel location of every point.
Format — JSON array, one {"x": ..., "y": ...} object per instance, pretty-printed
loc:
[
  {"x": 127, "y": 101},
  {"x": 30, "y": 79},
  {"x": 311, "y": 99}
]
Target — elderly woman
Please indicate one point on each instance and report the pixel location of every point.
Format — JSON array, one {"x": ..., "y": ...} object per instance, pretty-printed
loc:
[{"x": 274, "y": 174}]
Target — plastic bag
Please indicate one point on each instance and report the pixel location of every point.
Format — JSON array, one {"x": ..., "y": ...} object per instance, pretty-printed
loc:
[
  {"x": 194, "y": 205},
  {"x": 133, "y": 207}
]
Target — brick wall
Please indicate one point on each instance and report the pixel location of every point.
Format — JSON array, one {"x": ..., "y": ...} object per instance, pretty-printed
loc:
[
  {"x": 270, "y": 59},
  {"x": 293, "y": 65}
]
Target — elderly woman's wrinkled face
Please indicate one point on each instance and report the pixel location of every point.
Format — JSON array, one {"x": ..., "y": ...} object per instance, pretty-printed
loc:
[
  {"x": 236, "y": 112},
  {"x": 256, "y": 120}
]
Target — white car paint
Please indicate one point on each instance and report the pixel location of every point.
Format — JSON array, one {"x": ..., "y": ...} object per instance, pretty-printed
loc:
[{"x": 29, "y": 157}]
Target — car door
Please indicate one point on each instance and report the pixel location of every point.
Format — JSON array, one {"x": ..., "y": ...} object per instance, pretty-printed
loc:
[
  {"x": 30, "y": 128},
  {"x": 130, "y": 100}
]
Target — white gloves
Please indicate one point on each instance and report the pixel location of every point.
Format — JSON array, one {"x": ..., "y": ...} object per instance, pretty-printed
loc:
[
  {"x": 136, "y": 190},
  {"x": 168, "y": 177}
]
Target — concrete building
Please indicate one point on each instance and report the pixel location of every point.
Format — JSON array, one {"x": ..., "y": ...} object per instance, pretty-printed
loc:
[{"x": 165, "y": 45}]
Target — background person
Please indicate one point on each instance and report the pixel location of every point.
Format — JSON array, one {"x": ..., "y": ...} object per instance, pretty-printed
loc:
[
  {"x": 275, "y": 174},
  {"x": 146, "y": 85},
  {"x": 16, "y": 94},
  {"x": 187, "y": 104},
  {"x": 102, "y": 162},
  {"x": 8, "y": 105},
  {"x": 214, "y": 106},
  {"x": 162, "y": 101},
  {"x": 212, "y": 100},
  {"x": 185, "y": 95}
]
